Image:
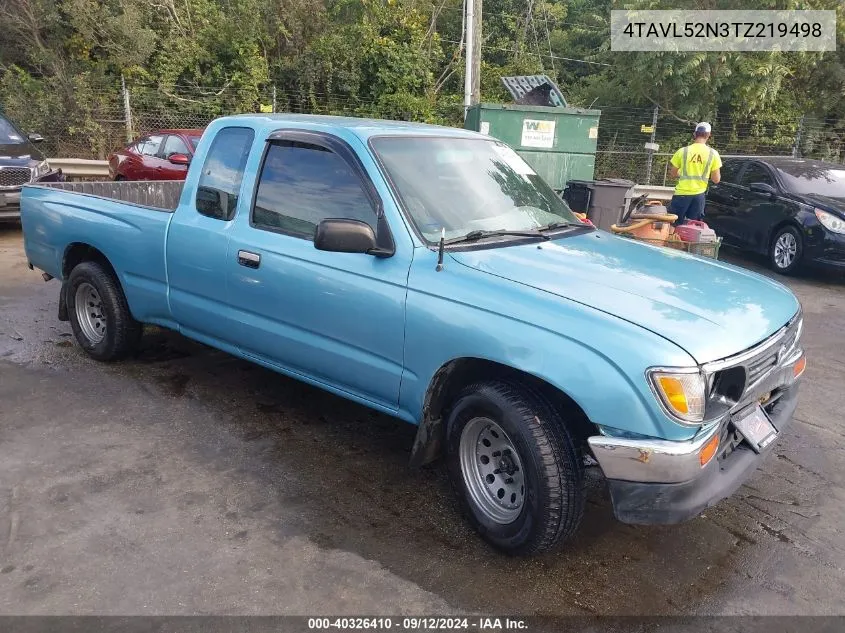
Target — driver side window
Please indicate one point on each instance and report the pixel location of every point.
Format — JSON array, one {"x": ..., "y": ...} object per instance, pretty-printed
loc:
[
  {"x": 174, "y": 145},
  {"x": 302, "y": 184},
  {"x": 756, "y": 173}
]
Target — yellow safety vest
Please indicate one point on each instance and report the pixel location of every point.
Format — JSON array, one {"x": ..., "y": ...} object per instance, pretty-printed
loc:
[{"x": 694, "y": 171}]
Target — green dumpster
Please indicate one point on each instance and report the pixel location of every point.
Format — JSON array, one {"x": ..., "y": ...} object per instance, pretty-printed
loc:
[{"x": 558, "y": 143}]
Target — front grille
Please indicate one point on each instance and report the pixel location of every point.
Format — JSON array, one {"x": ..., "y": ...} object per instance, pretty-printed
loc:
[
  {"x": 739, "y": 379},
  {"x": 14, "y": 176},
  {"x": 758, "y": 367}
]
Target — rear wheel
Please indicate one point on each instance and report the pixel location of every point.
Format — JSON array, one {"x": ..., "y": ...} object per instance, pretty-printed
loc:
[
  {"x": 786, "y": 250},
  {"x": 99, "y": 314},
  {"x": 514, "y": 467}
]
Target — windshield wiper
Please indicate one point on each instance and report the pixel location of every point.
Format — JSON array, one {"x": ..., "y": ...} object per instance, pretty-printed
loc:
[
  {"x": 552, "y": 226},
  {"x": 474, "y": 236}
]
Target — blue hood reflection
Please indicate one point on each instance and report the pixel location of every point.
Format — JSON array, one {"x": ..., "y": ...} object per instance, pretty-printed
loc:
[{"x": 708, "y": 308}]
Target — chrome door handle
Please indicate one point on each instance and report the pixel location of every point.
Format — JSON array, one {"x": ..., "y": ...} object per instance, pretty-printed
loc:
[{"x": 249, "y": 259}]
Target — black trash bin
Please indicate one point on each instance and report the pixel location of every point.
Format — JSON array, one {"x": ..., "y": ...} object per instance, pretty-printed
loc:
[{"x": 578, "y": 194}]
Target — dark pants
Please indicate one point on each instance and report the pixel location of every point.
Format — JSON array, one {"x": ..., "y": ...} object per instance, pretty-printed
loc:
[{"x": 687, "y": 207}]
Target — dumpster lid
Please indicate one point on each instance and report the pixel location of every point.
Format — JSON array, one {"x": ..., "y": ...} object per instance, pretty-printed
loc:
[{"x": 534, "y": 90}]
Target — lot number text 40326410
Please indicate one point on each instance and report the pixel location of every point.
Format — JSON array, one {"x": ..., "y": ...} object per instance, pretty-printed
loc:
[{"x": 419, "y": 623}]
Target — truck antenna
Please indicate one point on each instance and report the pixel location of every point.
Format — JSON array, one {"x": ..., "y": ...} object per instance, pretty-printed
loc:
[{"x": 440, "y": 249}]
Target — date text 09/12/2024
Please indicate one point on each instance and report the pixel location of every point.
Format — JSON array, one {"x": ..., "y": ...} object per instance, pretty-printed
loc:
[{"x": 418, "y": 623}]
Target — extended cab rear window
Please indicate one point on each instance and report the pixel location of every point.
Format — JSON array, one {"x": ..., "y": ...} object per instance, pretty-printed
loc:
[{"x": 220, "y": 181}]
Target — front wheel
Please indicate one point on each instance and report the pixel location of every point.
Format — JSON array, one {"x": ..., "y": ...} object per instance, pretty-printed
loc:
[
  {"x": 514, "y": 467},
  {"x": 99, "y": 314},
  {"x": 786, "y": 250}
]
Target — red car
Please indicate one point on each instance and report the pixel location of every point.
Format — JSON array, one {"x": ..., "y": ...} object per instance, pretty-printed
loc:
[{"x": 160, "y": 155}]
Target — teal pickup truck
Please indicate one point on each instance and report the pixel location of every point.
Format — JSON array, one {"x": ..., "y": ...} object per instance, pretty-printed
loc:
[{"x": 429, "y": 273}]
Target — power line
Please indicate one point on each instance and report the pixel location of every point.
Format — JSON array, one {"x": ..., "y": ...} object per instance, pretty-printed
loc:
[
  {"x": 513, "y": 50},
  {"x": 521, "y": 17}
]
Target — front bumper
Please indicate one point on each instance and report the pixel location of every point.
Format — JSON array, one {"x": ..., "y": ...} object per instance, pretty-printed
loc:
[
  {"x": 828, "y": 250},
  {"x": 10, "y": 199},
  {"x": 659, "y": 481},
  {"x": 10, "y": 204}
]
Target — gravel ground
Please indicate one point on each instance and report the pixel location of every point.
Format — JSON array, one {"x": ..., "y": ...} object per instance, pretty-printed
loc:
[{"x": 185, "y": 481}]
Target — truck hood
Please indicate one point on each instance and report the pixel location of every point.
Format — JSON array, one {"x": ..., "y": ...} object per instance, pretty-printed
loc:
[
  {"x": 19, "y": 155},
  {"x": 710, "y": 309}
]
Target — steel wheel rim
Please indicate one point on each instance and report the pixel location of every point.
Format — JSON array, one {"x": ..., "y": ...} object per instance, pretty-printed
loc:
[
  {"x": 89, "y": 312},
  {"x": 492, "y": 470},
  {"x": 786, "y": 248}
]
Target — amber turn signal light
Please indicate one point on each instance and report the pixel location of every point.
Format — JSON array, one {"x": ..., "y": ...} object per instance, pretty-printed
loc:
[
  {"x": 708, "y": 450},
  {"x": 799, "y": 367}
]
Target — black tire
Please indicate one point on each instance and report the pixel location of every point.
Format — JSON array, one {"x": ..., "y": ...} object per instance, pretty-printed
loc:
[
  {"x": 119, "y": 178},
  {"x": 553, "y": 502},
  {"x": 776, "y": 259},
  {"x": 122, "y": 332}
]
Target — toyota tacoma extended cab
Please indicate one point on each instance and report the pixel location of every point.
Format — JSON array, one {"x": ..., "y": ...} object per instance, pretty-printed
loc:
[{"x": 430, "y": 274}]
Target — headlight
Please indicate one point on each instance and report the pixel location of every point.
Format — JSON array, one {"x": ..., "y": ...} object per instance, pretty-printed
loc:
[
  {"x": 830, "y": 221},
  {"x": 42, "y": 169},
  {"x": 681, "y": 392}
]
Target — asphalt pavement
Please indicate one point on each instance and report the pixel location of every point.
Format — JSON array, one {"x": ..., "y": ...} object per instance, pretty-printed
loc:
[{"x": 185, "y": 481}]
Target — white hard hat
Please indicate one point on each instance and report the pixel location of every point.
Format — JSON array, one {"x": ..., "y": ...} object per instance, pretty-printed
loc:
[{"x": 703, "y": 127}]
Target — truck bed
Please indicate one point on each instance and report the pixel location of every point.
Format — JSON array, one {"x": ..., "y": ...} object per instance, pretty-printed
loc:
[
  {"x": 125, "y": 221},
  {"x": 160, "y": 195}
]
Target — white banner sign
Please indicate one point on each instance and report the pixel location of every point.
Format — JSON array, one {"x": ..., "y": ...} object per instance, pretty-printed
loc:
[{"x": 538, "y": 133}]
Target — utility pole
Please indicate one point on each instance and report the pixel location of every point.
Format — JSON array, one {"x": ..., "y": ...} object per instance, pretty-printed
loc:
[
  {"x": 127, "y": 110},
  {"x": 651, "y": 146},
  {"x": 476, "y": 53},
  {"x": 796, "y": 145},
  {"x": 468, "y": 53}
]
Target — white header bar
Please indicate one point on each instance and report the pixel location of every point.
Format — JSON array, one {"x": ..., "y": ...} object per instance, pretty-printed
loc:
[{"x": 684, "y": 31}]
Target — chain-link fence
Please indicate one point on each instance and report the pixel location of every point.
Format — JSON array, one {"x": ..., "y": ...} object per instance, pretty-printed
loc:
[
  {"x": 105, "y": 119},
  {"x": 637, "y": 143},
  {"x": 633, "y": 143}
]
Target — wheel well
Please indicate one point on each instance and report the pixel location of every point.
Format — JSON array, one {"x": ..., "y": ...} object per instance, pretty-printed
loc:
[
  {"x": 778, "y": 227},
  {"x": 78, "y": 252},
  {"x": 457, "y": 374}
]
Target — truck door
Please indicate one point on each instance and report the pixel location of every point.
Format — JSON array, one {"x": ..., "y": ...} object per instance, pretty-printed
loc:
[
  {"x": 198, "y": 240},
  {"x": 336, "y": 318}
]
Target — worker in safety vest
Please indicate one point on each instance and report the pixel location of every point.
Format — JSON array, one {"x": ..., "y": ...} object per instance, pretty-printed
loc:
[{"x": 693, "y": 166}]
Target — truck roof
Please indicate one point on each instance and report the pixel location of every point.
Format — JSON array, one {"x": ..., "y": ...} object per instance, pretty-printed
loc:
[{"x": 363, "y": 128}]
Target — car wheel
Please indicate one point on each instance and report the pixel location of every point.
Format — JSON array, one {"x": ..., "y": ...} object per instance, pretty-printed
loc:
[
  {"x": 99, "y": 314},
  {"x": 786, "y": 250},
  {"x": 514, "y": 467},
  {"x": 119, "y": 178}
]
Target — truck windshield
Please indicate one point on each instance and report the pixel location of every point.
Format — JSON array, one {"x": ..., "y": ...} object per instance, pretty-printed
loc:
[
  {"x": 9, "y": 135},
  {"x": 461, "y": 185}
]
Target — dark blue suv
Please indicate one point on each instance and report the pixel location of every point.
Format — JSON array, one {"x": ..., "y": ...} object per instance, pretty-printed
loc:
[{"x": 20, "y": 163}]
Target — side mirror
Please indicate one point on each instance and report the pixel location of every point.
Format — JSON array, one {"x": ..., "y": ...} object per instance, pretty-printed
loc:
[
  {"x": 35, "y": 138},
  {"x": 345, "y": 236},
  {"x": 764, "y": 188},
  {"x": 179, "y": 159}
]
